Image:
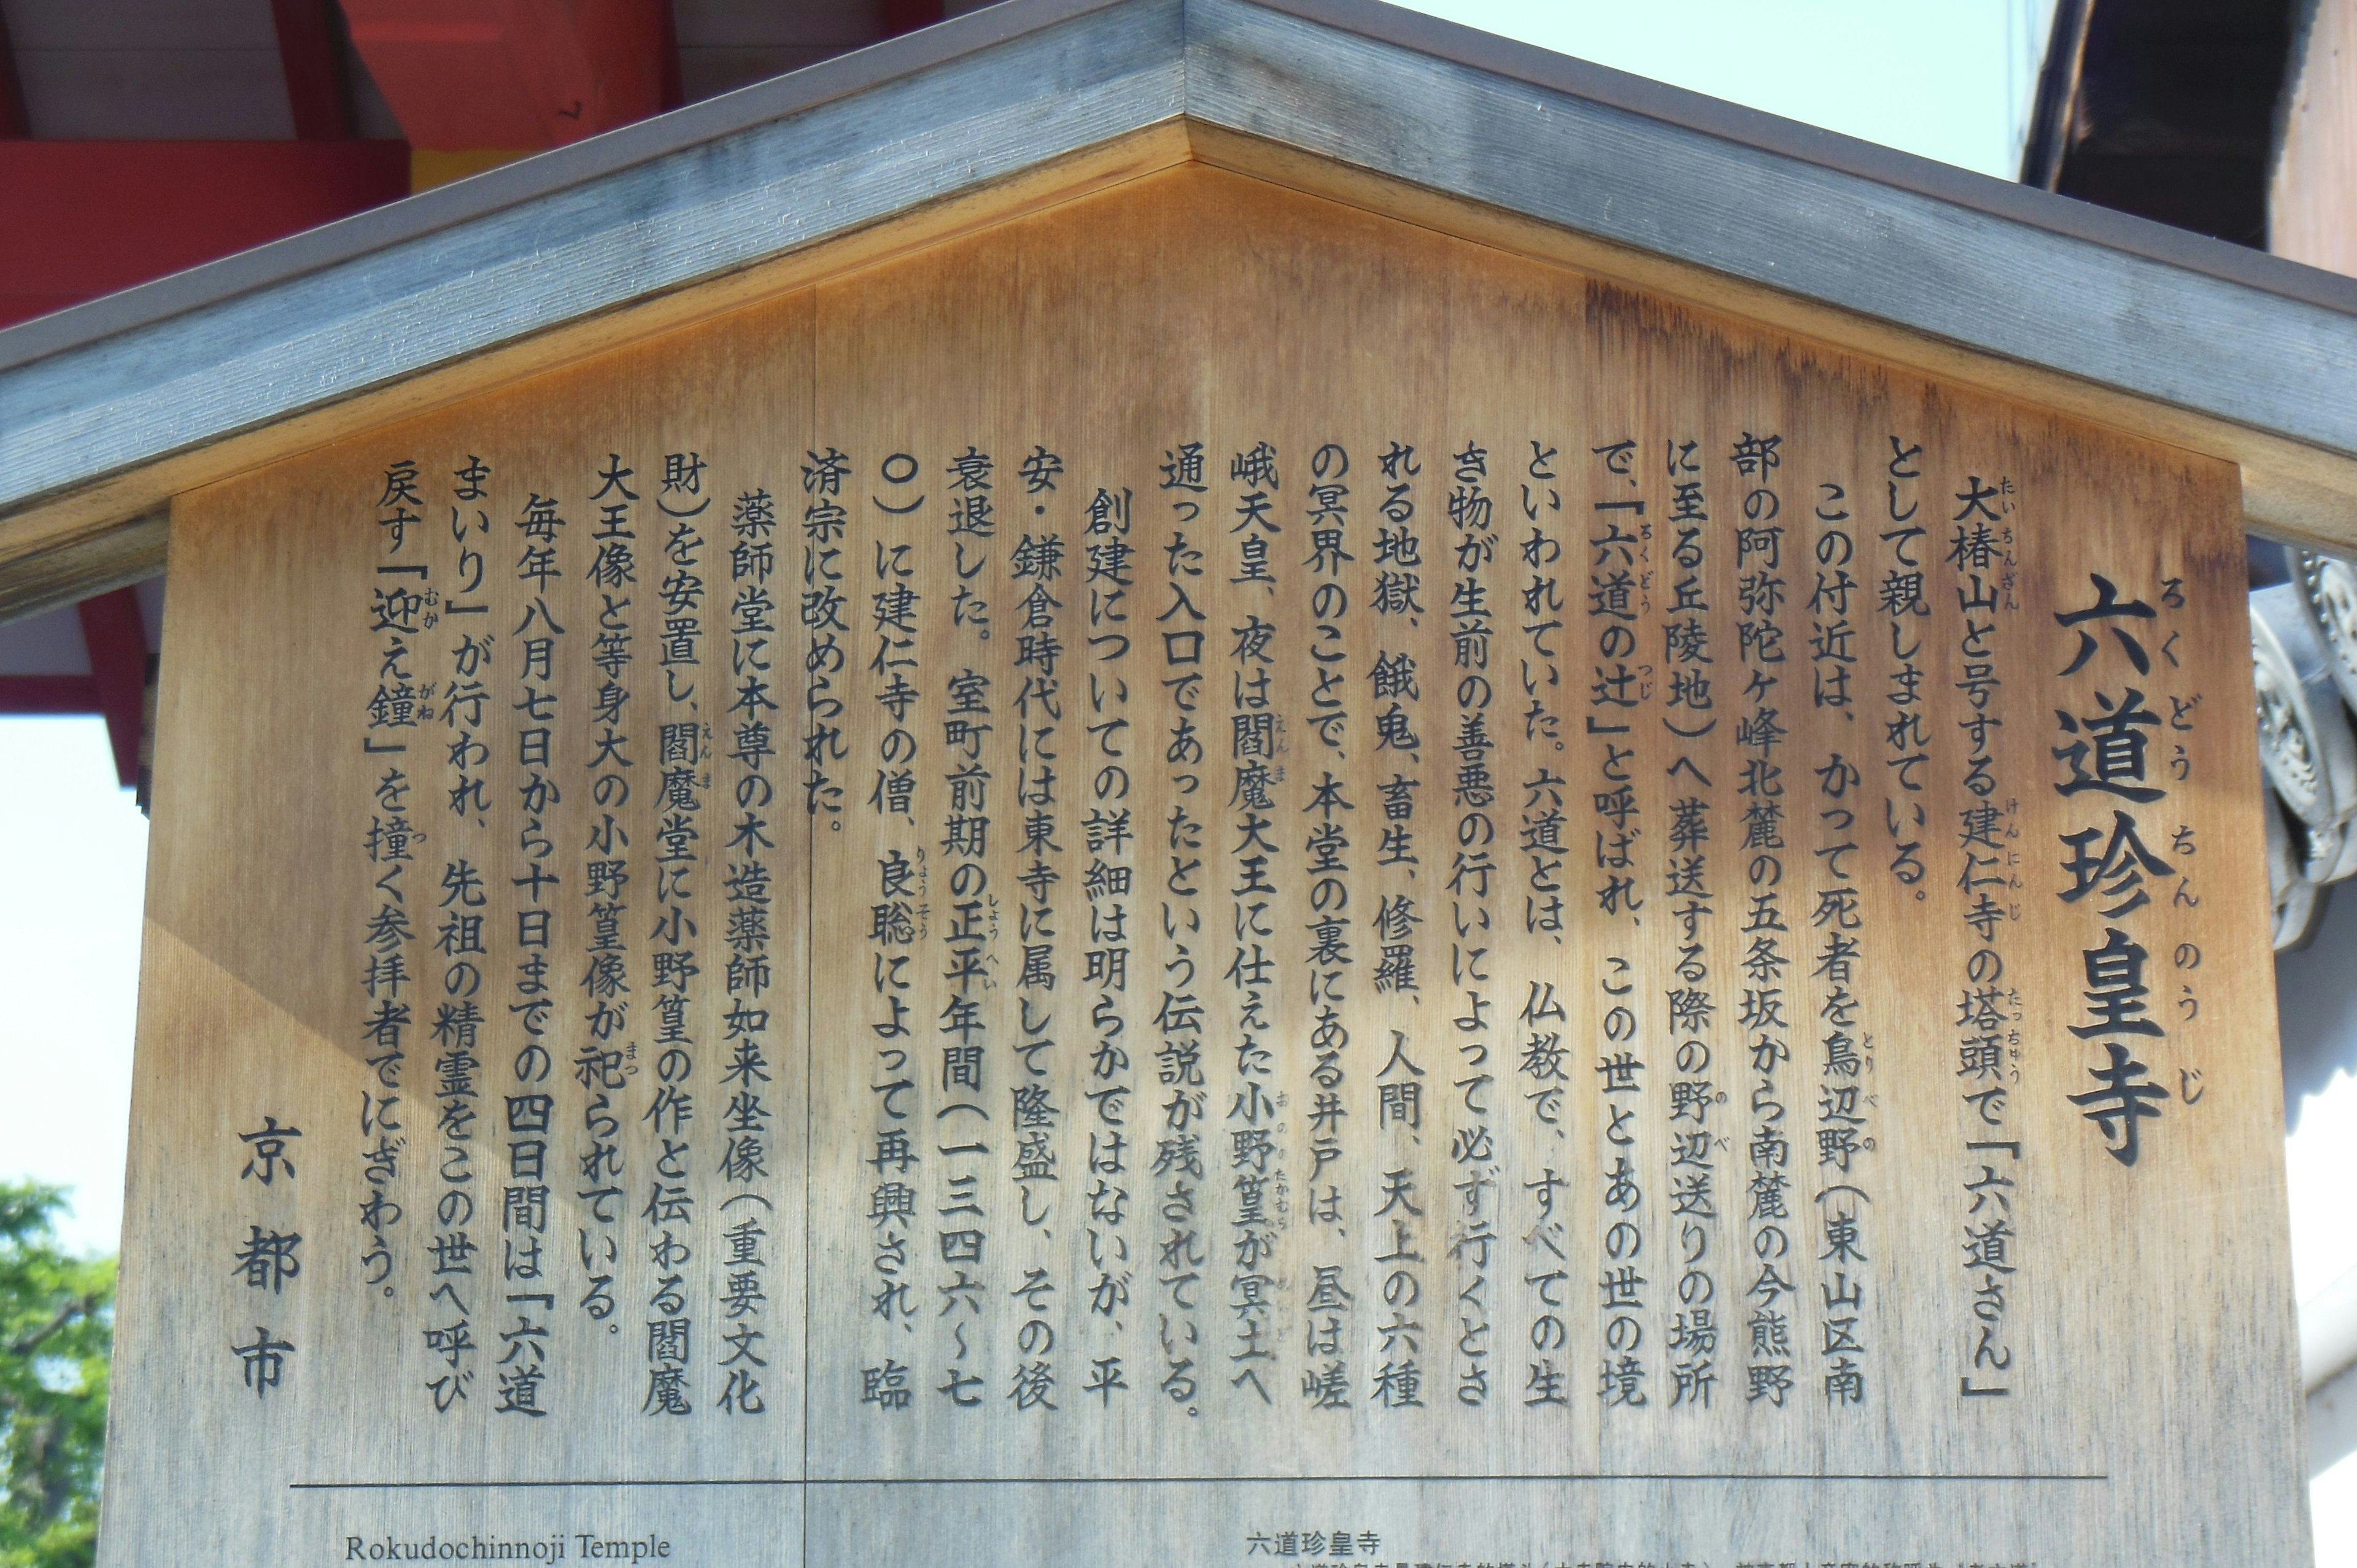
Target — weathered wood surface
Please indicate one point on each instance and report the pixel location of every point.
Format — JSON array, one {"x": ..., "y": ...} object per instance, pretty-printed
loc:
[
  {"x": 2308, "y": 205},
  {"x": 105, "y": 413},
  {"x": 1364, "y": 1094}
]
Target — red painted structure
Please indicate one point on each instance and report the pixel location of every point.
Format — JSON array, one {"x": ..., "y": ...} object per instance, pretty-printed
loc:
[
  {"x": 512, "y": 73},
  {"x": 116, "y": 687},
  {"x": 86, "y": 217},
  {"x": 317, "y": 96}
]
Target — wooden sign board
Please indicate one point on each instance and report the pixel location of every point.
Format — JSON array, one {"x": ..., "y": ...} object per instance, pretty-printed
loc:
[{"x": 1209, "y": 878}]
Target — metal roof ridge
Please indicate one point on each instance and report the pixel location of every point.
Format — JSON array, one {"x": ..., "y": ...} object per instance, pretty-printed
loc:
[
  {"x": 712, "y": 120},
  {"x": 1763, "y": 131},
  {"x": 2005, "y": 274}
]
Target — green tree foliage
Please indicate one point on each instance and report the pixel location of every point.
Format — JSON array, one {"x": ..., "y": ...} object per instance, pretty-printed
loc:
[{"x": 57, "y": 1328}]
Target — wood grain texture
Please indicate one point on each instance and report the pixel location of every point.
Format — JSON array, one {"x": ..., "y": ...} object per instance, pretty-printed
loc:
[
  {"x": 431, "y": 298},
  {"x": 2289, "y": 491},
  {"x": 78, "y": 569},
  {"x": 1198, "y": 1349},
  {"x": 2309, "y": 218},
  {"x": 1863, "y": 246},
  {"x": 2239, "y": 359},
  {"x": 92, "y": 512}
]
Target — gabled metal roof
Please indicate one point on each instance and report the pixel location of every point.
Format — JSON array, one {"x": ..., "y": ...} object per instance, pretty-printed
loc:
[{"x": 2227, "y": 336}]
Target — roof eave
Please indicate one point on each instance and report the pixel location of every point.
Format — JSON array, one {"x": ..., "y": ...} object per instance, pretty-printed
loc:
[{"x": 2146, "y": 313}]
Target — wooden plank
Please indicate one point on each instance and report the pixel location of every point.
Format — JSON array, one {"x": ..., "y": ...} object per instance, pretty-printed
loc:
[
  {"x": 89, "y": 514},
  {"x": 1827, "y": 227},
  {"x": 1621, "y": 1046},
  {"x": 1932, "y": 267},
  {"x": 700, "y": 212},
  {"x": 2290, "y": 491},
  {"x": 2308, "y": 217},
  {"x": 96, "y": 563},
  {"x": 450, "y": 1122}
]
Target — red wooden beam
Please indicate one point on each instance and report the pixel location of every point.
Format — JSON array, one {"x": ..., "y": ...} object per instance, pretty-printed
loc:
[
  {"x": 88, "y": 218},
  {"x": 478, "y": 74},
  {"x": 672, "y": 92},
  {"x": 317, "y": 91},
  {"x": 116, "y": 637},
  {"x": 22, "y": 694},
  {"x": 116, "y": 688}
]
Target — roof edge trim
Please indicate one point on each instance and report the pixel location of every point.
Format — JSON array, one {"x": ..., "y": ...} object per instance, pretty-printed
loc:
[{"x": 95, "y": 395}]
